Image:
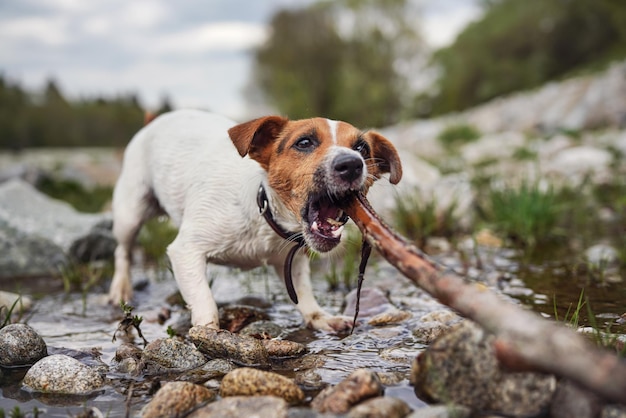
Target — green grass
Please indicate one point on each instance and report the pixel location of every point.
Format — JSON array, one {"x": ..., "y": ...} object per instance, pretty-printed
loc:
[
  {"x": 6, "y": 313},
  {"x": 417, "y": 219},
  {"x": 71, "y": 191},
  {"x": 456, "y": 135},
  {"x": 154, "y": 237},
  {"x": 528, "y": 214}
]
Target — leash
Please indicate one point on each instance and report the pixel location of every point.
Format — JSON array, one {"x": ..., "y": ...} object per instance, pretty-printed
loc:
[{"x": 266, "y": 211}]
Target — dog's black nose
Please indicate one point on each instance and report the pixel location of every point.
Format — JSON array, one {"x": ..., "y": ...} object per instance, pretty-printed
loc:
[{"x": 348, "y": 167}]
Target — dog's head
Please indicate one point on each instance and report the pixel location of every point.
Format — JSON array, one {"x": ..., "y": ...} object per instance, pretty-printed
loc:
[{"x": 315, "y": 164}]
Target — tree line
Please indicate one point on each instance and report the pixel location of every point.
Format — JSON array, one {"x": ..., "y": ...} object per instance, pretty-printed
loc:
[
  {"x": 47, "y": 119},
  {"x": 357, "y": 60}
]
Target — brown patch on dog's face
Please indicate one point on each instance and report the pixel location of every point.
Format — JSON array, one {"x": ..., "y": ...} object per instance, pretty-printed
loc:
[{"x": 313, "y": 164}]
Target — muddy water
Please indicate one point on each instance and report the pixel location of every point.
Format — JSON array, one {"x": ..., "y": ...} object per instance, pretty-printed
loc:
[{"x": 83, "y": 322}]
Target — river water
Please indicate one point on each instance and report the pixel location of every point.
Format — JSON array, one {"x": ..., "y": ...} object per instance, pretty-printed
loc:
[{"x": 82, "y": 321}]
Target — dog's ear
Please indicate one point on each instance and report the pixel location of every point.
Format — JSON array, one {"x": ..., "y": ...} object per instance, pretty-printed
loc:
[
  {"x": 386, "y": 157},
  {"x": 255, "y": 136}
]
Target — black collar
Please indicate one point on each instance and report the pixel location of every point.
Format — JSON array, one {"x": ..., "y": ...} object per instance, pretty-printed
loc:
[{"x": 266, "y": 211}]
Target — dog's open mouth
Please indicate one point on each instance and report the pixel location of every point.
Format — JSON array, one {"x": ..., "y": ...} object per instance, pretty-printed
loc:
[{"x": 325, "y": 222}]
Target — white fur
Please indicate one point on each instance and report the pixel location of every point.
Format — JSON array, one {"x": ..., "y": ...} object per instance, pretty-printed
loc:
[
  {"x": 332, "y": 124},
  {"x": 189, "y": 164}
]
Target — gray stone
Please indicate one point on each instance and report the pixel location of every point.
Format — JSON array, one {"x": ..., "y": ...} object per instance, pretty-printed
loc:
[
  {"x": 572, "y": 401},
  {"x": 244, "y": 406},
  {"x": 263, "y": 329},
  {"x": 247, "y": 381},
  {"x": 493, "y": 147},
  {"x": 576, "y": 163},
  {"x": 175, "y": 399},
  {"x": 460, "y": 367},
  {"x": 39, "y": 234},
  {"x": 62, "y": 374},
  {"x": 171, "y": 353},
  {"x": 602, "y": 255},
  {"x": 20, "y": 345}
]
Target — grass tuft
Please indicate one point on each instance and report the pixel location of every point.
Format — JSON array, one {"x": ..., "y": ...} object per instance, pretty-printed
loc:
[
  {"x": 528, "y": 214},
  {"x": 418, "y": 220},
  {"x": 453, "y": 136}
]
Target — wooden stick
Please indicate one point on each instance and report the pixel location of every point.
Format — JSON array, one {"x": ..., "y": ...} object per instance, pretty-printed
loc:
[{"x": 524, "y": 340}]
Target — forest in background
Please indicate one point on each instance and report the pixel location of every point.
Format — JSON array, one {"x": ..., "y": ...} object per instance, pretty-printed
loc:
[{"x": 312, "y": 66}]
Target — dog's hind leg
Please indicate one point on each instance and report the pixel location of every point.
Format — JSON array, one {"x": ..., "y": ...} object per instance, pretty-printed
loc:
[{"x": 133, "y": 203}]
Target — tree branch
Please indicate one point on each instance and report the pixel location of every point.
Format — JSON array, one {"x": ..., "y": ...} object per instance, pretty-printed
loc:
[{"x": 524, "y": 340}]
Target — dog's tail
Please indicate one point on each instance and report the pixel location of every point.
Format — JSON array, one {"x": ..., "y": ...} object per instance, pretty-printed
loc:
[{"x": 148, "y": 117}]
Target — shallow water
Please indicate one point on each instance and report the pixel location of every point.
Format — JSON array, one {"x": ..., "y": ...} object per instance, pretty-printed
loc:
[{"x": 84, "y": 322}]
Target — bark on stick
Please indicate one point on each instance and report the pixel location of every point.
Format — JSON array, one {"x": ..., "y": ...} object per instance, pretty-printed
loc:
[{"x": 524, "y": 340}]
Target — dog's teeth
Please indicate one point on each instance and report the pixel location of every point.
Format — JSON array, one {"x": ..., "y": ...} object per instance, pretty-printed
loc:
[
  {"x": 333, "y": 222},
  {"x": 337, "y": 232}
]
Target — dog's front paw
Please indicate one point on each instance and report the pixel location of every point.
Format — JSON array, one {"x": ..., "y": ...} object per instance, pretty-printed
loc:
[
  {"x": 325, "y": 322},
  {"x": 119, "y": 294}
]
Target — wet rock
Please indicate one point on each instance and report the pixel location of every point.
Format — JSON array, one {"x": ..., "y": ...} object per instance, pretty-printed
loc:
[
  {"x": 127, "y": 350},
  {"x": 171, "y": 353},
  {"x": 362, "y": 384},
  {"x": 175, "y": 399},
  {"x": 213, "y": 369},
  {"x": 235, "y": 317},
  {"x": 572, "y": 401},
  {"x": 434, "y": 324},
  {"x": 284, "y": 348},
  {"x": 252, "y": 382},
  {"x": 380, "y": 407},
  {"x": 602, "y": 255},
  {"x": 241, "y": 349},
  {"x": 460, "y": 367},
  {"x": 20, "y": 345},
  {"x": 243, "y": 406},
  {"x": 40, "y": 234},
  {"x": 441, "y": 411},
  {"x": 392, "y": 316},
  {"x": 262, "y": 330},
  {"x": 62, "y": 374},
  {"x": 373, "y": 302}
]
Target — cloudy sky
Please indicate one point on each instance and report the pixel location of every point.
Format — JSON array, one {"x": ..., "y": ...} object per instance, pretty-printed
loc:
[{"x": 194, "y": 52}]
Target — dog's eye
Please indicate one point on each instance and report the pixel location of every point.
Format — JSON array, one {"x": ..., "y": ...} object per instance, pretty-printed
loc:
[
  {"x": 305, "y": 144},
  {"x": 362, "y": 148}
]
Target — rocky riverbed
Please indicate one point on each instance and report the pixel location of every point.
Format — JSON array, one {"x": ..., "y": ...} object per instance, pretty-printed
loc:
[{"x": 408, "y": 356}]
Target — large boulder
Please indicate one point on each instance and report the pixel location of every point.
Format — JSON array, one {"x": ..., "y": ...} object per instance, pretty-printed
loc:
[{"x": 39, "y": 234}]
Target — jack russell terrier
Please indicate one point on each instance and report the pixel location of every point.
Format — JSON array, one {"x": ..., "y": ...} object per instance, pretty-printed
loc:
[{"x": 295, "y": 173}]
